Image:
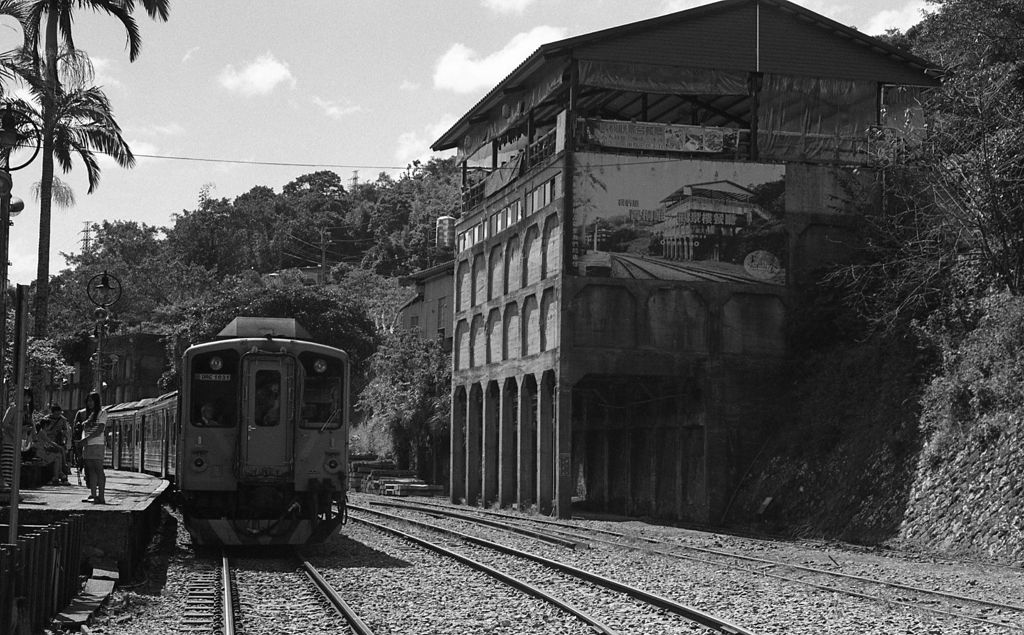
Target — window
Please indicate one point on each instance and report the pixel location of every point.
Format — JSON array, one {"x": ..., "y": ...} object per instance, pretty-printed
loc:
[
  {"x": 540, "y": 196},
  {"x": 323, "y": 396},
  {"x": 214, "y": 386},
  {"x": 442, "y": 310},
  {"x": 267, "y": 409}
]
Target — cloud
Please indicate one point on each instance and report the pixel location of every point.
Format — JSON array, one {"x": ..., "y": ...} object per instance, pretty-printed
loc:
[
  {"x": 507, "y": 6},
  {"x": 408, "y": 85},
  {"x": 415, "y": 145},
  {"x": 107, "y": 163},
  {"x": 102, "y": 68},
  {"x": 168, "y": 129},
  {"x": 188, "y": 54},
  {"x": 259, "y": 77},
  {"x": 902, "y": 18},
  {"x": 461, "y": 70},
  {"x": 671, "y": 6},
  {"x": 333, "y": 109}
]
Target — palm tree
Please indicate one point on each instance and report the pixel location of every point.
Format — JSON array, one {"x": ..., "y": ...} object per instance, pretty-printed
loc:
[
  {"x": 55, "y": 18},
  {"x": 18, "y": 10}
]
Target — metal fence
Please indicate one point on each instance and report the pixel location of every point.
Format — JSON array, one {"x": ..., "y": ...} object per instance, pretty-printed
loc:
[{"x": 39, "y": 574}]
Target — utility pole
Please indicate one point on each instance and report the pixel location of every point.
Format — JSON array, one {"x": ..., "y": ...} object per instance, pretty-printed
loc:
[{"x": 323, "y": 257}]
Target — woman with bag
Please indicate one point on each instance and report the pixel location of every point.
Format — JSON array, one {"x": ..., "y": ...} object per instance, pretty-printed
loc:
[{"x": 93, "y": 446}]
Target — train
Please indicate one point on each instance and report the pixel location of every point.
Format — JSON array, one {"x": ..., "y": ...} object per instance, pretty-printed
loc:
[{"x": 255, "y": 439}]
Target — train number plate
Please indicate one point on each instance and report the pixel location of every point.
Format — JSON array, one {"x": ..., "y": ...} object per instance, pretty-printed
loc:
[{"x": 213, "y": 376}]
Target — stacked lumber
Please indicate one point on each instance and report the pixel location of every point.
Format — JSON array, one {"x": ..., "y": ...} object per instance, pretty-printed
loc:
[
  {"x": 412, "y": 487},
  {"x": 376, "y": 476},
  {"x": 359, "y": 471}
]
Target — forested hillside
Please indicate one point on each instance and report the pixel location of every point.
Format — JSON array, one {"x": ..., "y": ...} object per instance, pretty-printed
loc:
[
  {"x": 908, "y": 391},
  {"x": 243, "y": 257}
]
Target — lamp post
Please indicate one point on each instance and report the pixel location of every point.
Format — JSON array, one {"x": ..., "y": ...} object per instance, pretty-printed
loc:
[
  {"x": 16, "y": 131},
  {"x": 104, "y": 290}
]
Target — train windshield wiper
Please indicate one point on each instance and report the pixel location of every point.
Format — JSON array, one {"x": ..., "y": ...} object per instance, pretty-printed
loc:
[{"x": 330, "y": 419}]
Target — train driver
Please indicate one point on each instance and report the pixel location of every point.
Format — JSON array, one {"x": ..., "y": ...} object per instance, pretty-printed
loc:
[
  {"x": 268, "y": 404},
  {"x": 208, "y": 416}
]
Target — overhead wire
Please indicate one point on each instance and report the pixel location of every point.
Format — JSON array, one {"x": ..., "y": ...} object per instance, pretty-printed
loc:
[{"x": 271, "y": 163}]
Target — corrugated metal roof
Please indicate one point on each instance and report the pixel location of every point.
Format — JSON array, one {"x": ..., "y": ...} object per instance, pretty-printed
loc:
[{"x": 562, "y": 48}]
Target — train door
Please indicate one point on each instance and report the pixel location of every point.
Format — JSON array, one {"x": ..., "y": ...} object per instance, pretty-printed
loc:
[{"x": 268, "y": 407}]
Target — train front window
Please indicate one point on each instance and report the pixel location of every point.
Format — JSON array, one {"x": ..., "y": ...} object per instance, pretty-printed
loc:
[
  {"x": 323, "y": 392},
  {"x": 267, "y": 409},
  {"x": 214, "y": 385}
]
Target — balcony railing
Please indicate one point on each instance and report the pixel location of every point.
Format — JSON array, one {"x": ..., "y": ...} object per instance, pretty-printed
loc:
[{"x": 541, "y": 150}]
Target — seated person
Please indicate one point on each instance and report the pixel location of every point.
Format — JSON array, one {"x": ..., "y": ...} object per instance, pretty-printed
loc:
[{"x": 208, "y": 416}]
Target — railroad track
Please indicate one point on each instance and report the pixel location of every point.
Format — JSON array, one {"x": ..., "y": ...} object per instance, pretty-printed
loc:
[
  {"x": 639, "y": 267},
  {"x": 278, "y": 594},
  {"x": 608, "y": 606},
  {"x": 983, "y": 611}
]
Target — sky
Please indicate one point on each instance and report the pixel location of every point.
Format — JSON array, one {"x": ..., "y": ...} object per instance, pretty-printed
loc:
[{"x": 233, "y": 94}]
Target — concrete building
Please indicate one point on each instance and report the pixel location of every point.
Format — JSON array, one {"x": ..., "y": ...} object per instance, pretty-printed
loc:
[
  {"x": 430, "y": 310},
  {"x": 637, "y": 205},
  {"x": 132, "y": 366}
]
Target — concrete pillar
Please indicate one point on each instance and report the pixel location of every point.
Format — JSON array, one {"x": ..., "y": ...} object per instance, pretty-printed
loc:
[
  {"x": 545, "y": 443},
  {"x": 457, "y": 453},
  {"x": 527, "y": 476},
  {"x": 564, "y": 485},
  {"x": 507, "y": 449},
  {"x": 491, "y": 406},
  {"x": 474, "y": 423}
]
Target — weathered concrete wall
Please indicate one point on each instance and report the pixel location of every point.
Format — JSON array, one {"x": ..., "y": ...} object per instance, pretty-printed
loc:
[{"x": 669, "y": 384}]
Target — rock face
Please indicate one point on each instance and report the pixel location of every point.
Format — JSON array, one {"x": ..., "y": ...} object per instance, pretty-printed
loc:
[
  {"x": 970, "y": 502},
  {"x": 848, "y": 462}
]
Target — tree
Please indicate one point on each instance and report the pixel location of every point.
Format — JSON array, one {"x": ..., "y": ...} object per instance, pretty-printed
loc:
[
  {"x": 77, "y": 122},
  {"x": 53, "y": 20},
  {"x": 409, "y": 394},
  {"x": 330, "y": 317},
  {"x": 952, "y": 230}
]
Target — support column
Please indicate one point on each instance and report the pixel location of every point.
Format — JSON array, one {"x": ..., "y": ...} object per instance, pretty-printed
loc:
[
  {"x": 474, "y": 423},
  {"x": 526, "y": 443},
  {"x": 564, "y": 485},
  {"x": 457, "y": 451},
  {"x": 491, "y": 405},
  {"x": 507, "y": 450},
  {"x": 545, "y": 443}
]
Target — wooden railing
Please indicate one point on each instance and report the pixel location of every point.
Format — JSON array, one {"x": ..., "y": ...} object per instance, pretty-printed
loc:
[
  {"x": 39, "y": 573},
  {"x": 541, "y": 150}
]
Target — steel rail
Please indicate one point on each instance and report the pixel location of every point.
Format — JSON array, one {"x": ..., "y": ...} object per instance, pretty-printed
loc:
[
  {"x": 227, "y": 599},
  {"x": 687, "y": 612},
  {"x": 555, "y": 540},
  {"x": 494, "y": 573},
  {"x": 354, "y": 621},
  {"x": 760, "y": 572}
]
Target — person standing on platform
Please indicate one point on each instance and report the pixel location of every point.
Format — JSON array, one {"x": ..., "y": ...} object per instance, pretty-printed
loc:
[
  {"x": 93, "y": 445},
  {"x": 10, "y": 452},
  {"x": 77, "y": 431}
]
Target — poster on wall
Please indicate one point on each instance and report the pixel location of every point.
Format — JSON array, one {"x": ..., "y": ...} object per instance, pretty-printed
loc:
[{"x": 678, "y": 219}]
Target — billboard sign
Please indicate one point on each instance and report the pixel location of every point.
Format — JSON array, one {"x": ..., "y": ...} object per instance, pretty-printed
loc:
[{"x": 678, "y": 219}]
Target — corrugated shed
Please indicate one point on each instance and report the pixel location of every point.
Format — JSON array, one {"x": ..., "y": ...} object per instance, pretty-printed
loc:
[{"x": 773, "y": 36}]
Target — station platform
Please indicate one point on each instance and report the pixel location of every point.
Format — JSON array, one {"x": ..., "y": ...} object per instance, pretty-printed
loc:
[{"x": 115, "y": 533}]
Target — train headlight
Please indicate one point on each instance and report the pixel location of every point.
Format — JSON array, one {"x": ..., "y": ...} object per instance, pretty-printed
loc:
[
  {"x": 332, "y": 464},
  {"x": 216, "y": 363},
  {"x": 199, "y": 462},
  {"x": 320, "y": 365}
]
